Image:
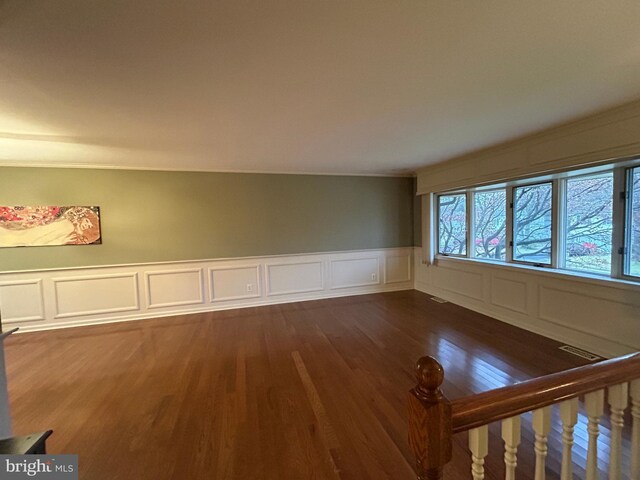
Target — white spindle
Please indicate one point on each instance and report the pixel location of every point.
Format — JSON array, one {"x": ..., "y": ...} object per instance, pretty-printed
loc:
[
  {"x": 541, "y": 426},
  {"x": 618, "y": 400},
  {"x": 511, "y": 437},
  {"x": 569, "y": 417},
  {"x": 479, "y": 446},
  {"x": 594, "y": 405},
  {"x": 635, "y": 434}
]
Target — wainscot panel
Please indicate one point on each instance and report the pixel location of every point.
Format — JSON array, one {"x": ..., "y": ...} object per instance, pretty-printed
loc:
[
  {"x": 171, "y": 288},
  {"x": 294, "y": 277},
  {"x": 21, "y": 301},
  {"x": 509, "y": 293},
  {"x": 234, "y": 283},
  {"x": 459, "y": 281},
  {"x": 95, "y": 294},
  {"x": 355, "y": 272},
  {"x": 397, "y": 269}
]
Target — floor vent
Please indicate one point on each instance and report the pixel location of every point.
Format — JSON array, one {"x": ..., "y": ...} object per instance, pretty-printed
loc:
[
  {"x": 580, "y": 353},
  {"x": 438, "y": 299}
]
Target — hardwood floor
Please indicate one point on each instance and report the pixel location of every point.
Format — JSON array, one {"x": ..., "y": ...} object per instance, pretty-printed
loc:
[{"x": 310, "y": 390}]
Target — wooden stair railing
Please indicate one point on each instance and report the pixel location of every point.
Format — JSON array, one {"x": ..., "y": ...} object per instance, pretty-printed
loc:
[{"x": 433, "y": 419}]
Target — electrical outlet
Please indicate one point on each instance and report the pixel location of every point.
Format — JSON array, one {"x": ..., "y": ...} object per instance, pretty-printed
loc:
[
  {"x": 249, "y": 287},
  {"x": 373, "y": 277}
]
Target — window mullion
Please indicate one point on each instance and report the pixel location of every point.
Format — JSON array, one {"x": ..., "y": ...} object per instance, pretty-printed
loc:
[
  {"x": 470, "y": 224},
  {"x": 619, "y": 217},
  {"x": 556, "y": 223},
  {"x": 509, "y": 225}
]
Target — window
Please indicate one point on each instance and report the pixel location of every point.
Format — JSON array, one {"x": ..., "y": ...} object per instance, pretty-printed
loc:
[
  {"x": 588, "y": 223},
  {"x": 452, "y": 224},
  {"x": 490, "y": 224},
  {"x": 632, "y": 257},
  {"x": 532, "y": 216},
  {"x": 585, "y": 221}
]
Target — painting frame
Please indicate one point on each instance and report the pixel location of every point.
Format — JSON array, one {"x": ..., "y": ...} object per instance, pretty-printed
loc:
[{"x": 50, "y": 225}]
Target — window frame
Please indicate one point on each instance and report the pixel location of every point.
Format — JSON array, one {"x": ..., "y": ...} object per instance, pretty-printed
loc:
[
  {"x": 472, "y": 223},
  {"x": 626, "y": 198},
  {"x": 562, "y": 234},
  {"x": 449, "y": 194},
  {"x": 512, "y": 244},
  {"x": 622, "y": 171}
]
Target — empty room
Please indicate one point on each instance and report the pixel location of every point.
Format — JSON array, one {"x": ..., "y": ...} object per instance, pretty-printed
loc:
[{"x": 319, "y": 239}]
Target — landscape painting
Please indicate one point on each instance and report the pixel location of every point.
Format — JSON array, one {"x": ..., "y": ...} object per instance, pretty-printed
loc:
[{"x": 35, "y": 226}]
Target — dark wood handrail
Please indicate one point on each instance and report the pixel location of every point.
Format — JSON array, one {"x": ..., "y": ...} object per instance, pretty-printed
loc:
[
  {"x": 483, "y": 408},
  {"x": 433, "y": 419}
]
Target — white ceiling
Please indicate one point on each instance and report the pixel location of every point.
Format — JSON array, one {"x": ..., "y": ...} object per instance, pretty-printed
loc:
[{"x": 315, "y": 86}]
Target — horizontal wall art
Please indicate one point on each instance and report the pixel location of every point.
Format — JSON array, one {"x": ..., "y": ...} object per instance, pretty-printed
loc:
[{"x": 29, "y": 226}]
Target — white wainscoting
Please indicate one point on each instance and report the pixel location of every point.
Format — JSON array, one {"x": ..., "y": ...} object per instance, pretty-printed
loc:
[
  {"x": 294, "y": 277},
  {"x": 95, "y": 294},
  {"x": 594, "y": 314},
  {"x": 172, "y": 288},
  {"x": 397, "y": 268},
  {"x": 355, "y": 272},
  {"x": 23, "y": 300},
  {"x": 234, "y": 283},
  {"x": 57, "y": 298}
]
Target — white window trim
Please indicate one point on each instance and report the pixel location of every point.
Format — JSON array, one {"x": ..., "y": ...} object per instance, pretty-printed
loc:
[
  {"x": 437, "y": 225},
  {"x": 625, "y": 206},
  {"x": 511, "y": 212}
]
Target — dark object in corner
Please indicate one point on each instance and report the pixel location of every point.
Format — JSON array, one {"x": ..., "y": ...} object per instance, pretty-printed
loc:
[{"x": 34, "y": 444}]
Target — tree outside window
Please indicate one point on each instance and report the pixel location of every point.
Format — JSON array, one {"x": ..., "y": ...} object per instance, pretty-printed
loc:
[
  {"x": 634, "y": 224},
  {"x": 589, "y": 223},
  {"x": 452, "y": 224},
  {"x": 490, "y": 217},
  {"x": 532, "y": 223}
]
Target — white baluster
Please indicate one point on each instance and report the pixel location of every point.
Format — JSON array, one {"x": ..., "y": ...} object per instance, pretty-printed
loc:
[
  {"x": 541, "y": 426},
  {"x": 594, "y": 405},
  {"x": 635, "y": 434},
  {"x": 618, "y": 401},
  {"x": 511, "y": 437},
  {"x": 479, "y": 446},
  {"x": 569, "y": 417}
]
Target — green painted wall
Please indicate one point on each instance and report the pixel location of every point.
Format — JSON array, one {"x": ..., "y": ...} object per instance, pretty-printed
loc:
[{"x": 150, "y": 216}]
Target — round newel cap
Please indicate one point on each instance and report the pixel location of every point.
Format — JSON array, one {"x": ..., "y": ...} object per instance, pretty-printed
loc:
[{"x": 429, "y": 373}]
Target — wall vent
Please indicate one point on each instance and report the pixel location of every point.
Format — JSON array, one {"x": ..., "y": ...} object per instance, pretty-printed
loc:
[
  {"x": 438, "y": 299},
  {"x": 580, "y": 353}
]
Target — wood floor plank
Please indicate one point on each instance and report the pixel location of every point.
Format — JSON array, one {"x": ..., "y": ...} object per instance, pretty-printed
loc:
[{"x": 304, "y": 390}]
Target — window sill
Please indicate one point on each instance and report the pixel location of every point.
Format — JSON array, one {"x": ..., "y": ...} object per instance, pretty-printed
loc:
[{"x": 543, "y": 271}]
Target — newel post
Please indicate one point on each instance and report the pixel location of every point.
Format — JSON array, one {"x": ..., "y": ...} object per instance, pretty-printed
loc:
[{"x": 430, "y": 428}]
